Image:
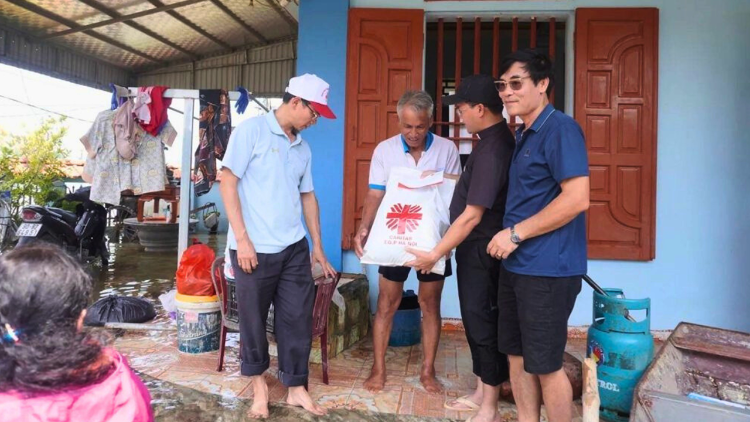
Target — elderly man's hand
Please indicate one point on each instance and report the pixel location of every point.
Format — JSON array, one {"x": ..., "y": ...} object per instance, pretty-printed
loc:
[
  {"x": 500, "y": 247},
  {"x": 359, "y": 241}
]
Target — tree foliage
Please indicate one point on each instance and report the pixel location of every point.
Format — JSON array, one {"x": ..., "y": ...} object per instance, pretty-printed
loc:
[{"x": 31, "y": 163}]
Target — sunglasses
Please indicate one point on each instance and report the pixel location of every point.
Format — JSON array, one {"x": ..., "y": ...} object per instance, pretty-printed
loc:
[{"x": 515, "y": 84}]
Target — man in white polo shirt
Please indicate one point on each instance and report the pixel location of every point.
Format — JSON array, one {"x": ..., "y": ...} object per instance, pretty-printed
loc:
[
  {"x": 415, "y": 147},
  {"x": 266, "y": 185}
]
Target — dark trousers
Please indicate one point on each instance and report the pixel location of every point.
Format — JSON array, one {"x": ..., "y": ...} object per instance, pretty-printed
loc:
[
  {"x": 478, "y": 275},
  {"x": 284, "y": 278}
]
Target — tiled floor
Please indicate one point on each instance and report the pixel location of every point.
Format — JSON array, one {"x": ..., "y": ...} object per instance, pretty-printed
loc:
[{"x": 155, "y": 353}]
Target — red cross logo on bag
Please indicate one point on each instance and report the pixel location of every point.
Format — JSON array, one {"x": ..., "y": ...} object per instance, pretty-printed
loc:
[{"x": 403, "y": 218}]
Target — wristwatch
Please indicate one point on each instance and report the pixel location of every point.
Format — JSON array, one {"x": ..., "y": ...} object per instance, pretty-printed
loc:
[{"x": 514, "y": 236}]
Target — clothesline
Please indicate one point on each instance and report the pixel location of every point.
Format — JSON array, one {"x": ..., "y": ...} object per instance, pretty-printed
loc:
[
  {"x": 186, "y": 93},
  {"x": 195, "y": 118},
  {"x": 48, "y": 111},
  {"x": 193, "y": 94}
]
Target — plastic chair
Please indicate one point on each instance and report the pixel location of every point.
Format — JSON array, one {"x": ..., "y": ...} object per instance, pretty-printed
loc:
[
  {"x": 325, "y": 287},
  {"x": 229, "y": 321}
]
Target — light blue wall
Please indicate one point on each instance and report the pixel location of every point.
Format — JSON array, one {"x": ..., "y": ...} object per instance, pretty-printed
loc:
[
  {"x": 702, "y": 268},
  {"x": 321, "y": 50}
]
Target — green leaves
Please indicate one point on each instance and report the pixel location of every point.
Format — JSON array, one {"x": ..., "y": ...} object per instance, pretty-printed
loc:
[{"x": 31, "y": 163}]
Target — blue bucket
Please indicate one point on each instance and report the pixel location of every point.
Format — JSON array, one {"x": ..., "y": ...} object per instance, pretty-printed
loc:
[
  {"x": 198, "y": 326},
  {"x": 406, "y": 322}
]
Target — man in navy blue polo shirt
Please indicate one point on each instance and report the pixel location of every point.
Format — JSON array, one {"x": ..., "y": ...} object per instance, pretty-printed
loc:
[{"x": 543, "y": 245}]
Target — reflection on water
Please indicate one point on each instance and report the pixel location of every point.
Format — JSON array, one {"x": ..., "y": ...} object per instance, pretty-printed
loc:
[{"x": 134, "y": 272}]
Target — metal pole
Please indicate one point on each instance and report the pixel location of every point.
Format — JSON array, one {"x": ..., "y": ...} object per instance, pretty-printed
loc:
[{"x": 187, "y": 156}]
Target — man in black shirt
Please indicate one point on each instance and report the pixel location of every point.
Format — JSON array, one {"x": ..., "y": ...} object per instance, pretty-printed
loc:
[{"x": 476, "y": 214}]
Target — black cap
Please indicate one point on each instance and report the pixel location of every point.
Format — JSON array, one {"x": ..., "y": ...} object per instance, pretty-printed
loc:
[{"x": 478, "y": 89}]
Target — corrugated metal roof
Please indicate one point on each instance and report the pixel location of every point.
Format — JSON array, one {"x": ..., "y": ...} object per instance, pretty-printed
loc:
[
  {"x": 100, "y": 41},
  {"x": 264, "y": 71},
  {"x": 17, "y": 50}
]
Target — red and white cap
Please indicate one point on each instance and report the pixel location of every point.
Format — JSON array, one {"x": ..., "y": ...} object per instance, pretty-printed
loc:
[{"x": 313, "y": 90}]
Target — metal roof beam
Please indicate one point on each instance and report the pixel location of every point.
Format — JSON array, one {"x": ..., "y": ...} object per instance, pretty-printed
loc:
[
  {"x": 192, "y": 26},
  {"x": 122, "y": 18},
  {"x": 239, "y": 20},
  {"x": 113, "y": 14},
  {"x": 59, "y": 19},
  {"x": 284, "y": 15}
]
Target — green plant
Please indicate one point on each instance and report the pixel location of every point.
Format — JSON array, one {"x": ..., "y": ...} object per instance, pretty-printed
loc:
[{"x": 31, "y": 163}]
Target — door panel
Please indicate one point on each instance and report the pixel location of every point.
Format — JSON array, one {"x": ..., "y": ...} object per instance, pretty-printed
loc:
[
  {"x": 384, "y": 60},
  {"x": 616, "y": 63}
]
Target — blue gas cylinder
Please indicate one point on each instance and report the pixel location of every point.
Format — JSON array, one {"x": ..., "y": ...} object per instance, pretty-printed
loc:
[
  {"x": 622, "y": 349},
  {"x": 406, "y": 322}
]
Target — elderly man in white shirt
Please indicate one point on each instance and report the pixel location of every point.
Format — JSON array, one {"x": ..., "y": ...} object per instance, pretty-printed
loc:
[{"x": 415, "y": 147}]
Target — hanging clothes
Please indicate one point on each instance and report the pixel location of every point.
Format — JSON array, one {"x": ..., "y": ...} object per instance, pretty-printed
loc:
[
  {"x": 110, "y": 174},
  {"x": 141, "y": 110},
  {"x": 127, "y": 132},
  {"x": 117, "y": 100},
  {"x": 157, "y": 109},
  {"x": 148, "y": 169},
  {"x": 214, "y": 128},
  {"x": 102, "y": 167}
]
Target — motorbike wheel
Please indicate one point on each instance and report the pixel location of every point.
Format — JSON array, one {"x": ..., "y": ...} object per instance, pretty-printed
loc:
[{"x": 129, "y": 234}]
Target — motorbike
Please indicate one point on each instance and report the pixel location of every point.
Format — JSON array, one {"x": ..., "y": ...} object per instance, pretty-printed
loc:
[{"x": 81, "y": 233}]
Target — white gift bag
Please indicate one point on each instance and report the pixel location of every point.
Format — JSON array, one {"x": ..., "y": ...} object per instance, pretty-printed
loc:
[{"x": 414, "y": 213}]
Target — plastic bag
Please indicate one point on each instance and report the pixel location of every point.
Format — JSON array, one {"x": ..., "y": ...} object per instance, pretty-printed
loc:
[
  {"x": 119, "y": 309},
  {"x": 414, "y": 213},
  {"x": 168, "y": 300},
  {"x": 228, "y": 270},
  {"x": 194, "y": 272}
]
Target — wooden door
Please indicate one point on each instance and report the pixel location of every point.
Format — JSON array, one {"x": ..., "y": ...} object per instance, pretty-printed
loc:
[
  {"x": 384, "y": 59},
  {"x": 616, "y": 52}
]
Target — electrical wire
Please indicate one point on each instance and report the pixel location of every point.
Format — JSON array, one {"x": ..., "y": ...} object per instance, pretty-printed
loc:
[
  {"x": 41, "y": 113},
  {"x": 82, "y": 107},
  {"x": 44, "y": 109}
]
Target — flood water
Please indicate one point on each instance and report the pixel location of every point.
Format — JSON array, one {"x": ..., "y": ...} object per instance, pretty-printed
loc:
[{"x": 134, "y": 272}]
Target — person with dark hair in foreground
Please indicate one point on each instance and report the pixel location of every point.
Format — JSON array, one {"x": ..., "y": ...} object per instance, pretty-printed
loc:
[
  {"x": 266, "y": 186},
  {"x": 51, "y": 369},
  {"x": 543, "y": 244}
]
